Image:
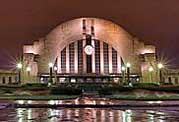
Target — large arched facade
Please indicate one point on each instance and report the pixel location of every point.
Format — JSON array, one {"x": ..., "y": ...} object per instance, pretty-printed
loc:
[{"x": 86, "y": 46}]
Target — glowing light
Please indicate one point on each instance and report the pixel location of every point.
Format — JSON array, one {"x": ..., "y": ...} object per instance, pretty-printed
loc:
[
  {"x": 128, "y": 65},
  {"x": 29, "y": 101},
  {"x": 154, "y": 102},
  {"x": 151, "y": 69},
  {"x": 160, "y": 66},
  {"x": 53, "y": 102},
  {"x": 89, "y": 50},
  {"x": 20, "y": 101},
  {"x": 146, "y": 51},
  {"x": 73, "y": 80},
  {"x": 28, "y": 69},
  {"x": 19, "y": 66},
  {"x": 50, "y": 65},
  {"x": 102, "y": 103},
  {"x": 55, "y": 68},
  {"x": 123, "y": 68}
]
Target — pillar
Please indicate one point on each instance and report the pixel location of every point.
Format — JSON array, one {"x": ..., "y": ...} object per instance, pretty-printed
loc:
[
  {"x": 59, "y": 63},
  {"x": 93, "y": 56},
  {"x": 118, "y": 63},
  {"x": 67, "y": 60},
  {"x": 110, "y": 58},
  {"x": 84, "y": 56},
  {"x": 101, "y": 58},
  {"x": 76, "y": 56}
]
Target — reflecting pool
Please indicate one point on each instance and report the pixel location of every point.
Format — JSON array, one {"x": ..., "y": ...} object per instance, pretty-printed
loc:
[
  {"x": 138, "y": 114},
  {"x": 87, "y": 115}
]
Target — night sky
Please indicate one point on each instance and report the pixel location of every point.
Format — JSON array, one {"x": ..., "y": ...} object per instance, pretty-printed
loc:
[{"x": 154, "y": 21}]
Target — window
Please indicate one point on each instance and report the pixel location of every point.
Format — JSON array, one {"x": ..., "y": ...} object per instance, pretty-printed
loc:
[
  {"x": 169, "y": 80},
  {"x": 80, "y": 56},
  {"x": 10, "y": 80},
  {"x": 63, "y": 60},
  {"x": 71, "y": 57},
  {"x": 106, "y": 58},
  {"x": 114, "y": 60},
  {"x": 97, "y": 56},
  {"x": 3, "y": 80}
]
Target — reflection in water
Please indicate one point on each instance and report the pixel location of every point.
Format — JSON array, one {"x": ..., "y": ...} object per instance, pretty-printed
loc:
[
  {"x": 87, "y": 114},
  {"x": 127, "y": 114}
]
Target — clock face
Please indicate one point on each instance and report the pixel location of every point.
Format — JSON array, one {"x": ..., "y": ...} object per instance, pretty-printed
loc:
[{"x": 88, "y": 50}]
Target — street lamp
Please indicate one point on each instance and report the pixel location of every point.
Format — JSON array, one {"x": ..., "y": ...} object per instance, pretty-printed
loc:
[
  {"x": 50, "y": 65},
  {"x": 160, "y": 67},
  {"x": 55, "y": 70},
  {"x": 123, "y": 68},
  {"x": 151, "y": 69},
  {"x": 28, "y": 69},
  {"x": 19, "y": 67},
  {"x": 128, "y": 65},
  {"x": 51, "y": 70}
]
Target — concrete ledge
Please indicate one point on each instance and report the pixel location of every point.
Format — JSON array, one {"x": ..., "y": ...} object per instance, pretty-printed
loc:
[{"x": 89, "y": 106}]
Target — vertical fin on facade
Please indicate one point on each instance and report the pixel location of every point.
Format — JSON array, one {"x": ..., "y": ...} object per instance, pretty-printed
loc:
[
  {"x": 84, "y": 26},
  {"x": 56, "y": 62},
  {"x": 122, "y": 63},
  {"x": 92, "y": 28}
]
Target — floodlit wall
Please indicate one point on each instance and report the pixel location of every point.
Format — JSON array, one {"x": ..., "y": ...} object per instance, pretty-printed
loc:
[{"x": 130, "y": 48}]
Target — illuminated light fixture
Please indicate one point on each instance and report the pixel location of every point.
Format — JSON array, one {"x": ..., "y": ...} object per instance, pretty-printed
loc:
[
  {"x": 151, "y": 69},
  {"x": 160, "y": 66},
  {"x": 20, "y": 101},
  {"x": 55, "y": 68},
  {"x": 73, "y": 80},
  {"x": 19, "y": 66},
  {"x": 88, "y": 50},
  {"x": 128, "y": 65},
  {"x": 123, "y": 68},
  {"x": 50, "y": 65},
  {"x": 28, "y": 69}
]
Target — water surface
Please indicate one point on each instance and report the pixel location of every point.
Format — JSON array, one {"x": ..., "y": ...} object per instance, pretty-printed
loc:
[
  {"x": 87, "y": 115},
  {"x": 164, "y": 114}
]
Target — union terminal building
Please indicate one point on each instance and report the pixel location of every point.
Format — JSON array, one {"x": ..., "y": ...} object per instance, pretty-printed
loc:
[{"x": 89, "y": 50}]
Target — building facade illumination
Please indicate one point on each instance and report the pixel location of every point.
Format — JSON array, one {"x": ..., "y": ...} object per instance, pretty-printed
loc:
[{"x": 91, "y": 48}]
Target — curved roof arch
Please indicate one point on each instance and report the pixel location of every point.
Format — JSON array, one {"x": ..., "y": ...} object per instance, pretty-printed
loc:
[{"x": 105, "y": 30}]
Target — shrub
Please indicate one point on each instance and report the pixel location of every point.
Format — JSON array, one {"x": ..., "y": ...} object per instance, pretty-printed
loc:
[
  {"x": 35, "y": 86},
  {"x": 110, "y": 90},
  {"x": 65, "y": 91},
  {"x": 143, "y": 85}
]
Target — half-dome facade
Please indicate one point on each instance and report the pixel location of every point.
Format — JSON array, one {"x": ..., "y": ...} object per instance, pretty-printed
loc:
[{"x": 91, "y": 48}]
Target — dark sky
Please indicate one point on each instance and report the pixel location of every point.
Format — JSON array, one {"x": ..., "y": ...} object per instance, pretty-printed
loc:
[{"x": 155, "y": 21}]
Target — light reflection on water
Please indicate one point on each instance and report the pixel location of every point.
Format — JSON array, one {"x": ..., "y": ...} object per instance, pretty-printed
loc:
[{"x": 87, "y": 115}]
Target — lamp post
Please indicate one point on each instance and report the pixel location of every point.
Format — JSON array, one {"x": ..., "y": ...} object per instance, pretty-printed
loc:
[
  {"x": 51, "y": 70},
  {"x": 151, "y": 69},
  {"x": 19, "y": 67},
  {"x": 160, "y": 67},
  {"x": 128, "y": 65},
  {"x": 55, "y": 70}
]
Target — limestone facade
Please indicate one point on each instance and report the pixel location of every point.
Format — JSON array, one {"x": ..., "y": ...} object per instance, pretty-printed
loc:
[
  {"x": 112, "y": 47},
  {"x": 8, "y": 77}
]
